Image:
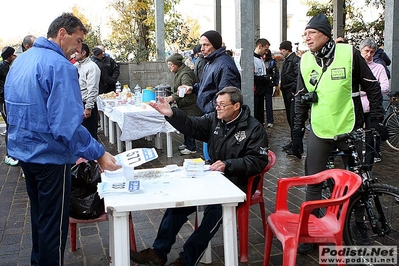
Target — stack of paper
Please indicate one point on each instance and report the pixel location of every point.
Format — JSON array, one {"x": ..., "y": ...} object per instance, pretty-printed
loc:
[
  {"x": 194, "y": 167},
  {"x": 105, "y": 188},
  {"x": 120, "y": 181}
]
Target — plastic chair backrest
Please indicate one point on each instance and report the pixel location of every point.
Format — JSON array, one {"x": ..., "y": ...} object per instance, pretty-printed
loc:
[
  {"x": 259, "y": 187},
  {"x": 346, "y": 184}
]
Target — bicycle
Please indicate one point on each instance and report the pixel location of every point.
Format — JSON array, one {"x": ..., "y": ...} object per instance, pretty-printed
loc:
[
  {"x": 373, "y": 213},
  {"x": 391, "y": 121}
]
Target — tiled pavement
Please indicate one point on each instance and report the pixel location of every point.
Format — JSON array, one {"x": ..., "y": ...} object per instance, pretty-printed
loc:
[{"x": 92, "y": 241}]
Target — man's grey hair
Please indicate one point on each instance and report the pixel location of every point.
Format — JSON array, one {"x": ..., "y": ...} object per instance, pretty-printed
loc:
[{"x": 368, "y": 42}]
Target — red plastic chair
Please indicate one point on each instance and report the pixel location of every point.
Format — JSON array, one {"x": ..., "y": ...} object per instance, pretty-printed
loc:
[
  {"x": 292, "y": 228},
  {"x": 102, "y": 218},
  {"x": 252, "y": 199}
]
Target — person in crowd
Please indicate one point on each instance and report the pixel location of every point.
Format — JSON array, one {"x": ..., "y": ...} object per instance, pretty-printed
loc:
[
  {"x": 239, "y": 150},
  {"x": 46, "y": 135},
  {"x": 89, "y": 80},
  {"x": 188, "y": 103},
  {"x": 382, "y": 58},
  {"x": 199, "y": 63},
  {"x": 219, "y": 72},
  {"x": 272, "y": 71},
  {"x": 367, "y": 49},
  {"x": 329, "y": 83},
  {"x": 97, "y": 58},
  {"x": 8, "y": 55},
  {"x": 112, "y": 67},
  {"x": 261, "y": 80},
  {"x": 27, "y": 43},
  {"x": 289, "y": 77}
]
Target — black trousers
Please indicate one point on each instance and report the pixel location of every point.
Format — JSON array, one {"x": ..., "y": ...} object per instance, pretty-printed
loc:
[
  {"x": 49, "y": 189},
  {"x": 91, "y": 123}
]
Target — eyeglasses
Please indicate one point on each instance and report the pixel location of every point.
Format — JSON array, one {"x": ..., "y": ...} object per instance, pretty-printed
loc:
[
  {"x": 310, "y": 34},
  {"x": 219, "y": 106},
  {"x": 170, "y": 65}
]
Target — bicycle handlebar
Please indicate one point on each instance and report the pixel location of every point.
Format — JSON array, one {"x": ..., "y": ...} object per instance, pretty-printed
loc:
[{"x": 356, "y": 134}]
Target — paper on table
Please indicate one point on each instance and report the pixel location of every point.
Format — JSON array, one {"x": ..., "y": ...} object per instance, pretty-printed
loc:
[
  {"x": 106, "y": 188},
  {"x": 136, "y": 157}
]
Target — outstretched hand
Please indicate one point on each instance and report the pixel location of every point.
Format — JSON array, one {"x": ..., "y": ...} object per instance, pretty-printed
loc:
[{"x": 162, "y": 106}]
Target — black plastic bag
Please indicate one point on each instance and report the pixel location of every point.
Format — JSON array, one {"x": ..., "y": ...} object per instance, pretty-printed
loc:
[{"x": 85, "y": 202}]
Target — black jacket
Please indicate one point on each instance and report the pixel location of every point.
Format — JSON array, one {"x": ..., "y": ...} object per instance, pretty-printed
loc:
[
  {"x": 242, "y": 144},
  {"x": 289, "y": 73},
  {"x": 113, "y": 72},
  {"x": 4, "y": 68}
]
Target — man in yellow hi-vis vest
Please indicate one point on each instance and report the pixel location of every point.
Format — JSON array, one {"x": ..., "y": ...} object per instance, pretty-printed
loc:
[{"x": 329, "y": 83}]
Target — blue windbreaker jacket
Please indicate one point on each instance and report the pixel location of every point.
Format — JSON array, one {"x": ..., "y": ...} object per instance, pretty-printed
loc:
[{"x": 45, "y": 109}]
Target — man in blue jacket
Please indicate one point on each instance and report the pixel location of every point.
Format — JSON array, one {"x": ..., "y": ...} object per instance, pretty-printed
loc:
[
  {"x": 219, "y": 72},
  {"x": 45, "y": 113},
  {"x": 239, "y": 150}
]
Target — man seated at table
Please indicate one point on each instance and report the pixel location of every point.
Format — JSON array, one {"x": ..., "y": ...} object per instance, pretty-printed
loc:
[{"x": 237, "y": 147}]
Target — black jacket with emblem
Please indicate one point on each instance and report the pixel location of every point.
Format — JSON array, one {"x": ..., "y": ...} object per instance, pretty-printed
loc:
[{"x": 241, "y": 144}]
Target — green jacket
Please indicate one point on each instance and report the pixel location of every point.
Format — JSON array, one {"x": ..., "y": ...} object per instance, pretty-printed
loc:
[{"x": 188, "y": 103}]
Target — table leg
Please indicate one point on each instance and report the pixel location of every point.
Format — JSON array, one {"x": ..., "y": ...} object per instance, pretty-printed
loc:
[
  {"x": 169, "y": 146},
  {"x": 230, "y": 235},
  {"x": 158, "y": 141},
  {"x": 119, "y": 238},
  {"x": 129, "y": 144},
  {"x": 207, "y": 257},
  {"x": 106, "y": 126},
  {"x": 111, "y": 131},
  {"x": 118, "y": 141},
  {"x": 101, "y": 114}
]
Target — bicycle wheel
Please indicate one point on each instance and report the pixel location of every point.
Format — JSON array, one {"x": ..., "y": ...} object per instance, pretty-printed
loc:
[
  {"x": 388, "y": 235},
  {"x": 392, "y": 125}
]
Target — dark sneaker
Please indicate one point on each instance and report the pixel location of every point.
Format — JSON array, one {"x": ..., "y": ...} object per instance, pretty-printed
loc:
[
  {"x": 287, "y": 147},
  {"x": 177, "y": 262},
  {"x": 360, "y": 230},
  {"x": 148, "y": 257},
  {"x": 305, "y": 249}
]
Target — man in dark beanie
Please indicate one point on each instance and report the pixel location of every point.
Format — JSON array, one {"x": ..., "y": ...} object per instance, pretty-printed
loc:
[
  {"x": 329, "y": 83},
  {"x": 220, "y": 71},
  {"x": 289, "y": 76},
  {"x": 97, "y": 58}
]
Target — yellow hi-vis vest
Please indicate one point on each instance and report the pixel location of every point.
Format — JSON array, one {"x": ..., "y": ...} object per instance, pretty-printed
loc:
[{"x": 334, "y": 113}]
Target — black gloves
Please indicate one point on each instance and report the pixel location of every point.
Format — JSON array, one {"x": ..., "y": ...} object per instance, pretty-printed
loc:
[
  {"x": 297, "y": 143},
  {"x": 297, "y": 147},
  {"x": 383, "y": 131}
]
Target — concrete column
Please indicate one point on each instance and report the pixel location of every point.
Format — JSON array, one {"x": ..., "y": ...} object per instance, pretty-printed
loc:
[
  {"x": 218, "y": 16},
  {"x": 391, "y": 39},
  {"x": 338, "y": 20},
  {"x": 160, "y": 30},
  {"x": 256, "y": 19},
  {"x": 284, "y": 20},
  {"x": 245, "y": 40}
]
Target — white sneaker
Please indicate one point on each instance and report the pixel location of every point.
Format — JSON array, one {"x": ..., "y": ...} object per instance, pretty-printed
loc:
[
  {"x": 182, "y": 147},
  {"x": 10, "y": 161},
  {"x": 186, "y": 152},
  {"x": 270, "y": 125}
]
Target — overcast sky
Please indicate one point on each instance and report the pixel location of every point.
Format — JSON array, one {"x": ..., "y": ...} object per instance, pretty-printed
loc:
[{"x": 24, "y": 17}]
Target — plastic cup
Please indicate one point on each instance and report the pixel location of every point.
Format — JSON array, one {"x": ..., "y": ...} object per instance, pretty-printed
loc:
[{"x": 182, "y": 91}]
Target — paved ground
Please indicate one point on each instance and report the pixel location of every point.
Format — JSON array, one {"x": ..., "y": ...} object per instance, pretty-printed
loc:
[{"x": 92, "y": 240}]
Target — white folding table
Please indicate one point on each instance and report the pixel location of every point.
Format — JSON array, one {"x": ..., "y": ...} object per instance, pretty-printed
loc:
[{"x": 172, "y": 191}]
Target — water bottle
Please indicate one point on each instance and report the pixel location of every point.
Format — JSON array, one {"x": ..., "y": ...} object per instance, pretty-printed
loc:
[
  {"x": 137, "y": 95},
  {"x": 118, "y": 87}
]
